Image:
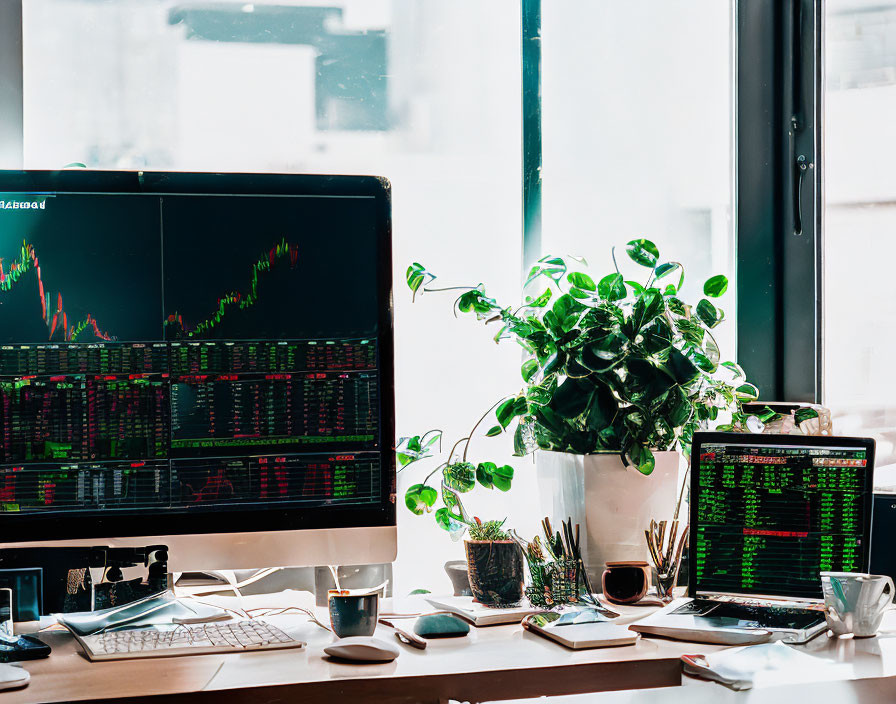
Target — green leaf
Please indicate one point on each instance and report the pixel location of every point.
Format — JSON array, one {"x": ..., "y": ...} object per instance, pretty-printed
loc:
[
  {"x": 411, "y": 449},
  {"x": 477, "y": 302},
  {"x": 643, "y": 252},
  {"x": 506, "y": 412},
  {"x": 612, "y": 287},
  {"x": 657, "y": 337},
  {"x": 582, "y": 281},
  {"x": 542, "y": 392},
  {"x": 682, "y": 369},
  {"x": 493, "y": 431},
  {"x": 707, "y": 312},
  {"x": 484, "y": 472},
  {"x": 801, "y": 415},
  {"x": 637, "y": 288},
  {"x": 419, "y": 591},
  {"x": 747, "y": 392},
  {"x": 530, "y": 366},
  {"x": 420, "y": 498},
  {"x": 664, "y": 270},
  {"x": 602, "y": 352},
  {"x": 416, "y": 276},
  {"x": 602, "y": 409},
  {"x": 579, "y": 293},
  {"x": 502, "y": 477},
  {"x": 436, "y": 436},
  {"x": 542, "y": 300},
  {"x": 698, "y": 357},
  {"x": 570, "y": 399},
  {"x": 734, "y": 367},
  {"x": 647, "y": 383},
  {"x": 460, "y": 476},
  {"x": 712, "y": 351},
  {"x": 678, "y": 306},
  {"x": 677, "y": 407},
  {"x": 565, "y": 307},
  {"x": 715, "y": 286},
  {"x": 649, "y": 305},
  {"x": 447, "y": 521},
  {"x": 490, "y": 475},
  {"x": 691, "y": 330},
  {"x": 552, "y": 267},
  {"x": 643, "y": 459}
]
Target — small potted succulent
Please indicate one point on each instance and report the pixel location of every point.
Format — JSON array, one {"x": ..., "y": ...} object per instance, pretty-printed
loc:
[
  {"x": 495, "y": 563},
  {"x": 619, "y": 374}
]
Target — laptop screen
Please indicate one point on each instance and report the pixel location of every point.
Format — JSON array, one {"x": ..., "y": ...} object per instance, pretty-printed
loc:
[{"x": 768, "y": 515}]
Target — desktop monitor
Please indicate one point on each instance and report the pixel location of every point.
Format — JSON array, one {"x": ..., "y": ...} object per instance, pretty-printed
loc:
[{"x": 198, "y": 360}]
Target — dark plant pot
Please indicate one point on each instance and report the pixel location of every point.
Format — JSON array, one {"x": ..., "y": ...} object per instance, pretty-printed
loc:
[
  {"x": 460, "y": 578},
  {"x": 496, "y": 571}
]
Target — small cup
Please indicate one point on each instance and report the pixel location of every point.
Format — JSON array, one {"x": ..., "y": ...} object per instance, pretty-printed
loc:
[
  {"x": 855, "y": 602},
  {"x": 625, "y": 582},
  {"x": 353, "y": 614}
]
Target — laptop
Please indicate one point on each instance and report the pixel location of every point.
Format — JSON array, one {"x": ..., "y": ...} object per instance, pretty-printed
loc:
[{"x": 768, "y": 513}]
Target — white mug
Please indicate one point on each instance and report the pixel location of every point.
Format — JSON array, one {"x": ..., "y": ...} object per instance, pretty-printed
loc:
[{"x": 855, "y": 602}]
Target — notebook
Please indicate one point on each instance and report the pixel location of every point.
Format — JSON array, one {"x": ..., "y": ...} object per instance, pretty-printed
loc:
[
  {"x": 579, "y": 628},
  {"x": 478, "y": 614},
  {"x": 768, "y": 513}
]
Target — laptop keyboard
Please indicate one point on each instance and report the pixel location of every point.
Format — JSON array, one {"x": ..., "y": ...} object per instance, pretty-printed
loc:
[{"x": 718, "y": 613}]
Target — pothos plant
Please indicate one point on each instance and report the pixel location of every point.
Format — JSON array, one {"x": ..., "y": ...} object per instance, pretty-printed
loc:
[
  {"x": 455, "y": 476},
  {"x": 614, "y": 364}
]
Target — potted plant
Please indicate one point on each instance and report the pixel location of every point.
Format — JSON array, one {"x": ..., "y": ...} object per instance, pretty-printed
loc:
[
  {"x": 618, "y": 375},
  {"x": 456, "y": 475},
  {"x": 495, "y": 564}
]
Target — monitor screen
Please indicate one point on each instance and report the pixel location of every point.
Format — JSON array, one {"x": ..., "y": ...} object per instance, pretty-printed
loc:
[
  {"x": 767, "y": 517},
  {"x": 184, "y": 353}
]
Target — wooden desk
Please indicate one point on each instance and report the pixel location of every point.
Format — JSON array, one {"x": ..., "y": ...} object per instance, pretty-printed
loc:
[
  {"x": 497, "y": 662},
  {"x": 490, "y": 664}
]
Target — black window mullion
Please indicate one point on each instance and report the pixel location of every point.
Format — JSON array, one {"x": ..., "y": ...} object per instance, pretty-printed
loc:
[{"x": 778, "y": 187}]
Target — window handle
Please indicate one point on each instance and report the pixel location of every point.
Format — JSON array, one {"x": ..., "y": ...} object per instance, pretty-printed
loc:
[{"x": 802, "y": 167}]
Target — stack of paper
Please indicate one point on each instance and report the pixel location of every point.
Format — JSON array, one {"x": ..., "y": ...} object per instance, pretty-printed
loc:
[{"x": 763, "y": 665}]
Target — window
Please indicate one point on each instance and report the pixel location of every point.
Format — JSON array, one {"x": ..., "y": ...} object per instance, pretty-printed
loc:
[
  {"x": 637, "y": 130},
  {"x": 860, "y": 219},
  {"x": 638, "y": 134}
]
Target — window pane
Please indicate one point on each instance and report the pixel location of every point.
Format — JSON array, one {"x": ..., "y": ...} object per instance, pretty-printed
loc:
[
  {"x": 860, "y": 219},
  {"x": 424, "y": 92},
  {"x": 637, "y": 115}
]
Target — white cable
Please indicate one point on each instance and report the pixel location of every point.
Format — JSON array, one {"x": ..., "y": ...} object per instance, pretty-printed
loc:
[{"x": 232, "y": 584}]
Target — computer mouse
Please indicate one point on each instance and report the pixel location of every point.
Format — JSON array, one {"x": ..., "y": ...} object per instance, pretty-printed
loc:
[
  {"x": 12, "y": 676},
  {"x": 441, "y": 626},
  {"x": 363, "y": 649}
]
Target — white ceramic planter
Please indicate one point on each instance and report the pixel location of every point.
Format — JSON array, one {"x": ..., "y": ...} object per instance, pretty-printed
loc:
[{"x": 613, "y": 503}]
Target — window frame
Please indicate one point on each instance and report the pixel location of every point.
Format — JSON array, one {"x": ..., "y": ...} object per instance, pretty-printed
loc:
[{"x": 778, "y": 206}]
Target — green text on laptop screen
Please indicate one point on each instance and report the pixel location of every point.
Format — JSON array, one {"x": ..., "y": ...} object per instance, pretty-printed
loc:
[{"x": 769, "y": 519}]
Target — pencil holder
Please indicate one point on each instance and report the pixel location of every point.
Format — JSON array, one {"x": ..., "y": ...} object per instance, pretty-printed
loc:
[{"x": 555, "y": 583}]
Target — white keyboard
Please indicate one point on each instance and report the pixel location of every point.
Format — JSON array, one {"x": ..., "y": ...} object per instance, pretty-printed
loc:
[{"x": 162, "y": 641}]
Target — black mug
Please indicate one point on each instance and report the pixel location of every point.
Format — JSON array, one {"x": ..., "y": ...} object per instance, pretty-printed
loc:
[{"x": 353, "y": 614}]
